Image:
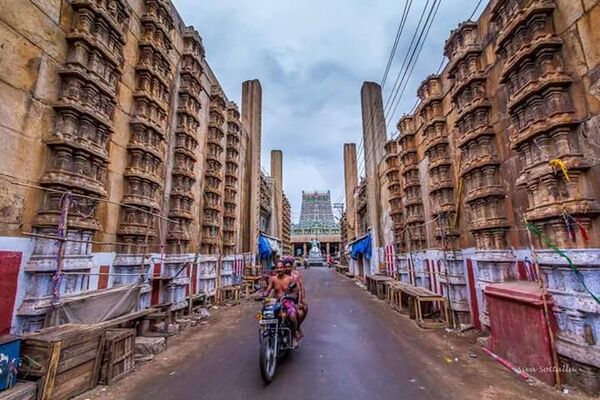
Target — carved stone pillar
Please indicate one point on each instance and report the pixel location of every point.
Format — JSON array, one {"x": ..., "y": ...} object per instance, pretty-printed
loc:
[{"x": 77, "y": 154}]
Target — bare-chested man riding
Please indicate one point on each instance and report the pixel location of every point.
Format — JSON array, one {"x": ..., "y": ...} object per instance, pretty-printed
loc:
[
  {"x": 280, "y": 283},
  {"x": 302, "y": 306}
]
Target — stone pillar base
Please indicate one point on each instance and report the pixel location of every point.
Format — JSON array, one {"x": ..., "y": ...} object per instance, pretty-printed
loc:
[{"x": 493, "y": 266}]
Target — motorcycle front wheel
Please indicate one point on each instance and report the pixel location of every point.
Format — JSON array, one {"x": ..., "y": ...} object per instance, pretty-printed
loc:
[{"x": 268, "y": 358}]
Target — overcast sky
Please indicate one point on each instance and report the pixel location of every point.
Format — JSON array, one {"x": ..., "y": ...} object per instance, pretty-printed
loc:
[{"x": 312, "y": 57}]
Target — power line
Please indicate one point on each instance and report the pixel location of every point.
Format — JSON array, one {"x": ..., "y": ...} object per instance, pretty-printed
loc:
[
  {"x": 439, "y": 69},
  {"x": 408, "y": 56},
  {"x": 405, "y": 11},
  {"x": 370, "y": 119},
  {"x": 475, "y": 10},
  {"x": 419, "y": 30},
  {"x": 414, "y": 56},
  {"x": 422, "y": 44}
]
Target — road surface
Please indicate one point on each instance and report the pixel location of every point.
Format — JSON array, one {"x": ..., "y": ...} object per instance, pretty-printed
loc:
[{"x": 355, "y": 347}]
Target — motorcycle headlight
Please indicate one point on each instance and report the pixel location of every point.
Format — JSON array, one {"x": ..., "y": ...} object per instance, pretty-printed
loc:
[{"x": 268, "y": 314}]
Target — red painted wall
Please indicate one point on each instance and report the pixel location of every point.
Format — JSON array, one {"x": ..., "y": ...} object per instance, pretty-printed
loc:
[
  {"x": 10, "y": 262},
  {"x": 473, "y": 295},
  {"x": 103, "y": 278},
  {"x": 155, "y": 296}
]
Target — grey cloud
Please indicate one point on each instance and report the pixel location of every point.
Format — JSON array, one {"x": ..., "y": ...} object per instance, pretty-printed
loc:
[{"x": 312, "y": 58}]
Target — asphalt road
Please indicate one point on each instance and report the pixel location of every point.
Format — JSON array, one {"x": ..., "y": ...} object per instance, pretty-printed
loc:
[
  {"x": 355, "y": 347},
  {"x": 346, "y": 344}
]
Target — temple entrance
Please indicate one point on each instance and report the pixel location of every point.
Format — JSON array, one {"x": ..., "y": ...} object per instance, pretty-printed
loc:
[{"x": 316, "y": 227}]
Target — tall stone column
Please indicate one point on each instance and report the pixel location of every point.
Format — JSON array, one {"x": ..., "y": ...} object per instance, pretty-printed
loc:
[
  {"x": 327, "y": 248},
  {"x": 252, "y": 117},
  {"x": 277, "y": 175},
  {"x": 374, "y": 138},
  {"x": 304, "y": 247},
  {"x": 350, "y": 183}
]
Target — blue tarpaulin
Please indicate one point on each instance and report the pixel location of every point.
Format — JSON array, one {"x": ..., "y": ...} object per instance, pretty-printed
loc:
[
  {"x": 363, "y": 246},
  {"x": 264, "y": 247}
]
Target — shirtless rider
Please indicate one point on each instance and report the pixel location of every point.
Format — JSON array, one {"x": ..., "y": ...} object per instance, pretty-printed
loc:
[
  {"x": 302, "y": 307},
  {"x": 280, "y": 283}
]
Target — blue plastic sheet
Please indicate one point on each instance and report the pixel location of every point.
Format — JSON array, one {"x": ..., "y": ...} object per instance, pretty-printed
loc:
[
  {"x": 363, "y": 247},
  {"x": 264, "y": 247}
]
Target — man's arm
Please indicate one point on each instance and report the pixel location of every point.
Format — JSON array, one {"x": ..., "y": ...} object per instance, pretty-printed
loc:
[
  {"x": 269, "y": 287},
  {"x": 301, "y": 293}
]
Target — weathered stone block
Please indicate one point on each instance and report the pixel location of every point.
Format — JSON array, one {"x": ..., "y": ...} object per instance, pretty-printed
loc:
[
  {"x": 150, "y": 345},
  {"x": 589, "y": 33},
  {"x": 184, "y": 324},
  {"x": 173, "y": 329}
]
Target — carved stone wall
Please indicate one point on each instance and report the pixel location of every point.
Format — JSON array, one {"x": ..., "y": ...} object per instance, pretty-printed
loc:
[
  {"x": 187, "y": 137},
  {"x": 232, "y": 180},
  {"x": 110, "y": 101},
  {"x": 412, "y": 201},
  {"x": 437, "y": 149},
  {"x": 508, "y": 129},
  {"x": 212, "y": 217},
  {"x": 394, "y": 187},
  {"x": 145, "y": 172},
  {"x": 77, "y": 154},
  {"x": 543, "y": 120},
  {"x": 286, "y": 234},
  {"x": 554, "y": 171}
]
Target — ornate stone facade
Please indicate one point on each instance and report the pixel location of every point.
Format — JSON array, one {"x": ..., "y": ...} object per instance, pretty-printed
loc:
[
  {"x": 212, "y": 217},
  {"x": 232, "y": 180},
  {"x": 507, "y": 133},
  {"x": 286, "y": 234},
  {"x": 436, "y": 147},
  {"x": 126, "y": 116},
  {"x": 187, "y": 139},
  {"x": 414, "y": 231},
  {"x": 395, "y": 189},
  {"x": 77, "y": 153},
  {"x": 554, "y": 172},
  {"x": 146, "y": 153}
]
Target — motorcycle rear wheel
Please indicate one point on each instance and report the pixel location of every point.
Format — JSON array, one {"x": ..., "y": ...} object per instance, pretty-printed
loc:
[{"x": 268, "y": 358}]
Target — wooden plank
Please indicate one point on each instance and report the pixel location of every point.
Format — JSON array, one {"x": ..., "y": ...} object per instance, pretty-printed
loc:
[
  {"x": 74, "y": 381},
  {"x": 52, "y": 369},
  {"x": 98, "y": 363},
  {"x": 35, "y": 356}
]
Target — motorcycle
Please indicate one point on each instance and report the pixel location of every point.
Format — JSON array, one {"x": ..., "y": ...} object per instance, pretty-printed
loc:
[{"x": 275, "y": 336}]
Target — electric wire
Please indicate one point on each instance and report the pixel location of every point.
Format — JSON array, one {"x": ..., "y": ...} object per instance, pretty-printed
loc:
[{"x": 403, "y": 18}]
